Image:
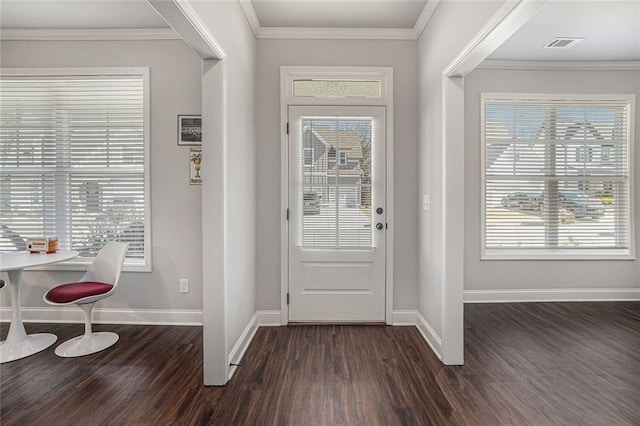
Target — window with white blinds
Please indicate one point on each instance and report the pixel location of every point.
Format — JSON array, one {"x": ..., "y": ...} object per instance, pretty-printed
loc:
[
  {"x": 73, "y": 160},
  {"x": 556, "y": 176}
]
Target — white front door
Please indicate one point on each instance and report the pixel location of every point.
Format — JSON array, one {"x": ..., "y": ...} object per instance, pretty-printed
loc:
[{"x": 337, "y": 213}]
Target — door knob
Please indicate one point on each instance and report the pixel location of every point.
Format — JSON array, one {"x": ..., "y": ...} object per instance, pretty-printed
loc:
[{"x": 379, "y": 226}]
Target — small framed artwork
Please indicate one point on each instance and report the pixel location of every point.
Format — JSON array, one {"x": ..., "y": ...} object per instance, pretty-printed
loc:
[
  {"x": 189, "y": 130},
  {"x": 195, "y": 161}
]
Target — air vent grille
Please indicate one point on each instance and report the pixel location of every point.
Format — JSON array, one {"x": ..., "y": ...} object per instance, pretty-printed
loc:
[{"x": 563, "y": 42}]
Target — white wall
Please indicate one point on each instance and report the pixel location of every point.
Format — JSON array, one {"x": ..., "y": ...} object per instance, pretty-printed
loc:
[
  {"x": 175, "y": 205},
  {"x": 401, "y": 55},
  {"x": 493, "y": 274},
  {"x": 228, "y": 25},
  {"x": 450, "y": 29}
]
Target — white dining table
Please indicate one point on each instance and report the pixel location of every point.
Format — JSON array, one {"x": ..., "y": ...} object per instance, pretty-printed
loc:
[{"x": 19, "y": 344}]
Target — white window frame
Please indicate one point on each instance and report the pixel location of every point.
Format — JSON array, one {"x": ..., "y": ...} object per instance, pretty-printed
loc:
[
  {"x": 81, "y": 263},
  {"x": 558, "y": 254}
]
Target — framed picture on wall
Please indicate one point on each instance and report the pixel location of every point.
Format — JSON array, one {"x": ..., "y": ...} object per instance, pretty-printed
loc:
[
  {"x": 189, "y": 130},
  {"x": 195, "y": 160}
]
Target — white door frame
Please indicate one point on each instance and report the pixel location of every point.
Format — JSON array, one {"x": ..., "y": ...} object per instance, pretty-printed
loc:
[
  {"x": 188, "y": 25},
  {"x": 287, "y": 75},
  {"x": 509, "y": 18}
]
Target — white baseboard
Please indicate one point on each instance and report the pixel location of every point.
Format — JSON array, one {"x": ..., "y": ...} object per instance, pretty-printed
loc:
[
  {"x": 553, "y": 295},
  {"x": 71, "y": 314},
  {"x": 269, "y": 318},
  {"x": 259, "y": 319},
  {"x": 414, "y": 318},
  {"x": 429, "y": 334},
  {"x": 236, "y": 354},
  {"x": 405, "y": 317}
]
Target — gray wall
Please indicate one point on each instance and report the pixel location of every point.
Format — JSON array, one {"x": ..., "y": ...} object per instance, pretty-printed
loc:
[
  {"x": 450, "y": 29},
  {"x": 401, "y": 55},
  {"x": 175, "y": 205},
  {"x": 512, "y": 274}
]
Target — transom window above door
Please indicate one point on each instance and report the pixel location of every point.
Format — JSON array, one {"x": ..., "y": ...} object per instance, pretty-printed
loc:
[
  {"x": 337, "y": 85},
  {"x": 337, "y": 88}
]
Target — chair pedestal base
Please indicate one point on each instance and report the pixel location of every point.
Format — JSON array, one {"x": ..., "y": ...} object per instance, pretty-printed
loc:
[
  {"x": 85, "y": 345},
  {"x": 32, "y": 344}
]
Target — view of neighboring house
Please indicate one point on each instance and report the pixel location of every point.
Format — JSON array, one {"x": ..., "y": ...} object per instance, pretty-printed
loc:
[
  {"x": 336, "y": 161},
  {"x": 591, "y": 148}
]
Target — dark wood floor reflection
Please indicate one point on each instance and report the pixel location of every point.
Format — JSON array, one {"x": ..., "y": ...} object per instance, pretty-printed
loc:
[{"x": 539, "y": 364}]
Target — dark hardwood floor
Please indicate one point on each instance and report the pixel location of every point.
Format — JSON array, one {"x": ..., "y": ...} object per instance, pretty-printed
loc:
[{"x": 537, "y": 364}]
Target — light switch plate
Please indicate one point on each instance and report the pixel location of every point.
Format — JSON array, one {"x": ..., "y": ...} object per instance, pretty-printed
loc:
[{"x": 426, "y": 203}]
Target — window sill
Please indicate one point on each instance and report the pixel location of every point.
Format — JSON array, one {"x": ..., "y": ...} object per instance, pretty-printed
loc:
[
  {"x": 82, "y": 265},
  {"x": 547, "y": 254}
]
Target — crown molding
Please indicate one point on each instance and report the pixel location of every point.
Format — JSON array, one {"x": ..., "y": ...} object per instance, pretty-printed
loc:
[
  {"x": 88, "y": 34},
  {"x": 339, "y": 33},
  {"x": 509, "y": 18},
  {"x": 561, "y": 66},
  {"x": 186, "y": 22},
  {"x": 250, "y": 13},
  {"x": 425, "y": 16}
]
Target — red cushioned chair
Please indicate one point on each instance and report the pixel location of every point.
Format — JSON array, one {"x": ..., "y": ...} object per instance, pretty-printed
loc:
[{"x": 99, "y": 282}]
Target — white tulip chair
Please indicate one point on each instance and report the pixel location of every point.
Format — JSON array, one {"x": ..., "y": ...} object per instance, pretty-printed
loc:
[{"x": 100, "y": 281}]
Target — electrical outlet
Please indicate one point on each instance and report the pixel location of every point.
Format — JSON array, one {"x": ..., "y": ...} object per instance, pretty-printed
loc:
[{"x": 184, "y": 285}]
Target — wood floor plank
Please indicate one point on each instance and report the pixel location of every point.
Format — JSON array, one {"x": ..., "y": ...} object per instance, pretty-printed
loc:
[{"x": 525, "y": 364}]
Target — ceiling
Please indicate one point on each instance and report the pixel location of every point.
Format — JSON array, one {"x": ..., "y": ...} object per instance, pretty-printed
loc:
[
  {"x": 611, "y": 28},
  {"x": 117, "y": 14},
  {"x": 338, "y": 14},
  {"x": 611, "y": 32},
  {"x": 70, "y": 14}
]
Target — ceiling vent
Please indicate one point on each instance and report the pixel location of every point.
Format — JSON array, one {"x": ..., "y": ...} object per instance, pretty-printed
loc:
[{"x": 563, "y": 42}]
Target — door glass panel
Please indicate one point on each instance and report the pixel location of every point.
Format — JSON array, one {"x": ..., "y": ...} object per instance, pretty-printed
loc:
[{"x": 335, "y": 167}]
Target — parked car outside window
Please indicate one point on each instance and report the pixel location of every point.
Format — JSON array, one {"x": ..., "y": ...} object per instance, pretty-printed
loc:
[
  {"x": 565, "y": 215},
  {"x": 311, "y": 203},
  {"x": 578, "y": 203},
  {"x": 581, "y": 205},
  {"x": 523, "y": 201}
]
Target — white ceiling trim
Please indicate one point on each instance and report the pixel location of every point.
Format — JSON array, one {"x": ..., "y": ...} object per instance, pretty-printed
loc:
[
  {"x": 89, "y": 34},
  {"x": 561, "y": 66},
  {"x": 508, "y": 19},
  {"x": 425, "y": 17},
  {"x": 187, "y": 23},
  {"x": 250, "y": 13},
  {"x": 339, "y": 33}
]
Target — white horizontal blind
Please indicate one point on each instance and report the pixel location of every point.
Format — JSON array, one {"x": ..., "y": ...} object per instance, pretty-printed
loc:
[
  {"x": 72, "y": 161},
  {"x": 556, "y": 174},
  {"x": 335, "y": 195}
]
